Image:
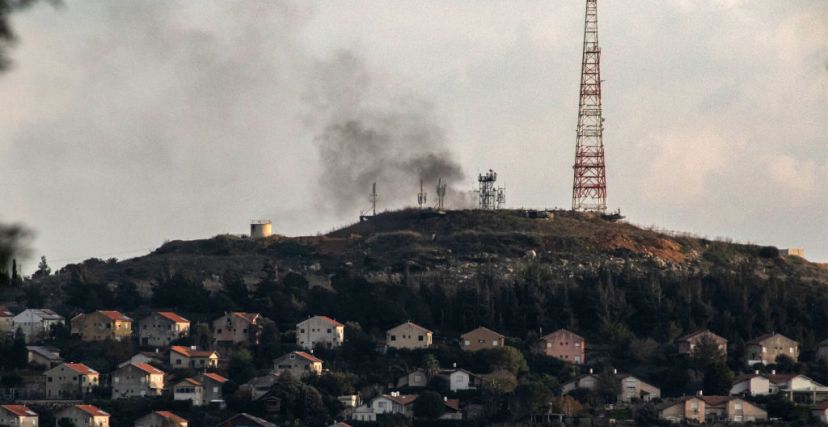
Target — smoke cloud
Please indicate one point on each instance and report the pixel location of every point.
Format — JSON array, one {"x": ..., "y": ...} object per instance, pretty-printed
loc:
[{"x": 367, "y": 133}]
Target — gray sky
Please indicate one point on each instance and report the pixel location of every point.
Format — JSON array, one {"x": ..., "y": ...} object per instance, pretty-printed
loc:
[{"x": 129, "y": 123}]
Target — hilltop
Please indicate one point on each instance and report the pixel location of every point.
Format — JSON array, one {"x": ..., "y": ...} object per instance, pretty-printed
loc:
[{"x": 568, "y": 259}]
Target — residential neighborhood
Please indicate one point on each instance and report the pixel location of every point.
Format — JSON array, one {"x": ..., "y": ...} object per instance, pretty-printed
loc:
[{"x": 159, "y": 373}]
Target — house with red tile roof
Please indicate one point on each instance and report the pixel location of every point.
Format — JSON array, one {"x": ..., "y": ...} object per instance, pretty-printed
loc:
[
  {"x": 161, "y": 419},
  {"x": 237, "y": 327},
  {"x": 190, "y": 357},
  {"x": 102, "y": 325},
  {"x": 161, "y": 328},
  {"x": 17, "y": 416},
  {"x": 137, "y": 380},
  {"x": 189, "y": 389},
  {"x": 688, "y": 344},
  {"x": 562, "y": 345},
  {"x": 298, "y": 364},
  {"x": 319, "y": 331},
  {"x": 213, "y": 384},
  {"x": 84, "y": 416},
  {"x": 70, "y": 381}
]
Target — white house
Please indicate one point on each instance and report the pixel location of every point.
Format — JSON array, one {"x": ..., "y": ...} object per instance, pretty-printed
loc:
[
  {"x": 189, "y": 389},
  {"x": 750, "y": 385},
  {"x": 460, "y": 379},
  {"x": 36, "y": 323},
  {"x": 320, "y": 330},
  {"x": 394, "y": 403}
]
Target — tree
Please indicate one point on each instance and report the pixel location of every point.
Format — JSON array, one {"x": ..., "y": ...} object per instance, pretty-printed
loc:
[
  {"x": 429, "y": 405},
  {"x": 566, "y": 405},
  {"x": 241, "y": 366},
  {"x": 717, "y": 379},
  {"x": 505, "y": 358},
  {"x": 43, "y": 269},
  {"x": 431, "y": 365}
]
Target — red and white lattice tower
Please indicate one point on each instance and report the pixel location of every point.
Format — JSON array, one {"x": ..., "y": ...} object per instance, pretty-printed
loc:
[{"x": 589, "y": 188}]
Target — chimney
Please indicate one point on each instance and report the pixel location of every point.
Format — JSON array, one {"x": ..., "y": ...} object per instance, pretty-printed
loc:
[
  {"x": 445, "y": 398},
  {"x": 192, "y": 347},
  {"x": 615, "y": 371},
  {"x": 590, "y": 371},
  {"x": 773, "y": 371},
  {"x": 454, "y": 365},
  {"x": 756, "y": 372},
  {"x": 699, "y": 393}
]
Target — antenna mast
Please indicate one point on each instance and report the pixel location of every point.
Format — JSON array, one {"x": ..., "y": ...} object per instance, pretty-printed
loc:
[
  {"x": 374, "y": 199},
  {"x": 422, "y": 196},
  {"x": 589, "y": 188},
  {"x": 441, "y": 193}
]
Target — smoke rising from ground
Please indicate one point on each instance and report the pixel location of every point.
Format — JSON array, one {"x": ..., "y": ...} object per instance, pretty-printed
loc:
[{"x": 367, "y": 133}]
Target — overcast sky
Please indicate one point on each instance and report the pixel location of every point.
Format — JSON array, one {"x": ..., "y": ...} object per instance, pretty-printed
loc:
[{"x": 125, "y": 124}]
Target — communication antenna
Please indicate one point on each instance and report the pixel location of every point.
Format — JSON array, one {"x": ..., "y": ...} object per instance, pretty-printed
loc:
[
  {"x": 489, "y": 197},
  {"x": 373, "y": 209},
  {"x": 374, "y": 199},
  {"x": 422, "y": 196},
  {"x": 441, "y": 193},
  {"x": 589, "y": 187}
]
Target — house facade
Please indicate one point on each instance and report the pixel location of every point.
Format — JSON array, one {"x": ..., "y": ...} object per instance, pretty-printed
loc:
[
  {"x": 212, "y": 384},
  {"x": 161, "y": 419},
  {"x": 237, "y": 327},
  {"x": 17, "y": 416},
  {"x": 6, "y": 320},
  {"x": 481, "y": 339},
  {"x": 137, "y": 380},
  {"x": 45, "y": 356},
  {"x": 797, "y": 387},
  {"x": 189, "y": 389},
  {"x": 320, "y": 330},
  {"x": 687, "y": 409},
  {"x": 461, "y": 379},
  {"x": 161, "y": 328},
  {"x": 36, "y": 323},
  {"x": 415, "y": 379},
  {"x": 189, "y": 357},
  {"x": 70, "y": 381},
  {"x": 633, "y": 388},
  {"x": 688, "y": 343},
  {"x": 297, "y": 364},
  {"x": 750, "y": 385},
  {"x": 767, "y": 348},
  {"x": 84, "y": 416},
  {"x": 245, "y": 420},
  {"x": 102, "y": 325},
  {"x": 563, "y": 345},
  {"x": 408, "y": 336},
  {"x": 393, "y": 403},
  {"x": 587, "y": 381},
  {"x": 820, "y": 412},
  {"x": 731, "y": 409}
]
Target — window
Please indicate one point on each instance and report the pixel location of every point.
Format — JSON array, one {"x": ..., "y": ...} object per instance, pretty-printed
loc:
[
  {"x": 420, "y": 338},
  {"x": 302, "y": 331},
  {"x": 329, "y": 331},
  {"x": 393, "y": 337},
  {"x": 466, "y": 342},
  {"x": 494, "y": 343}
]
